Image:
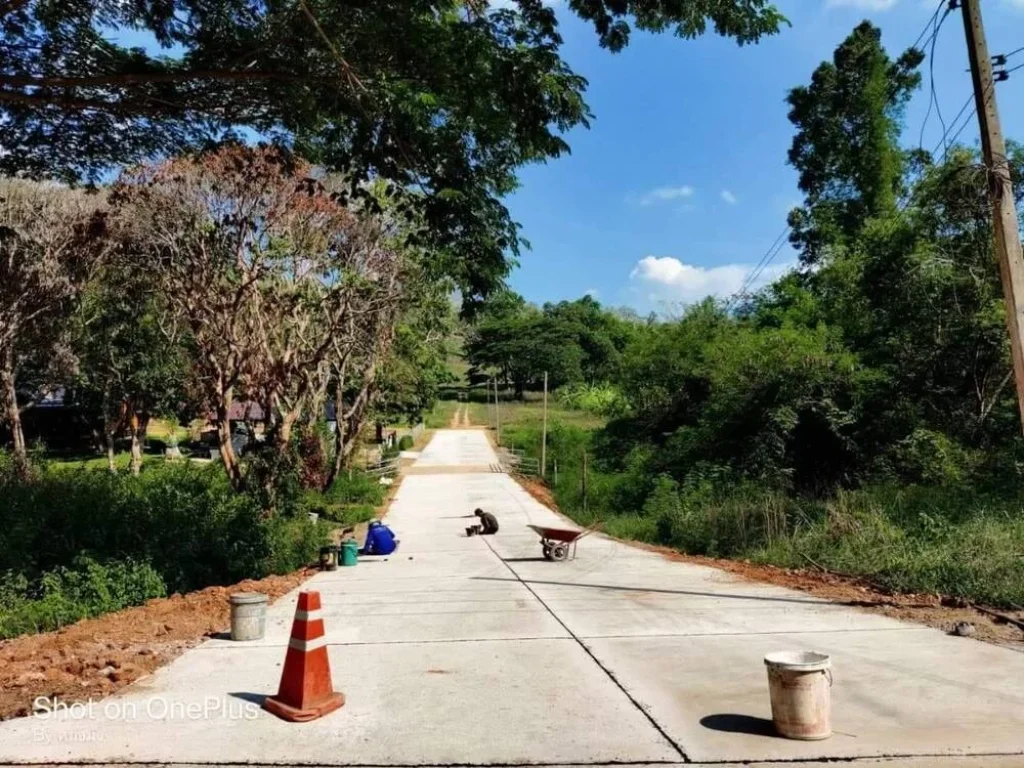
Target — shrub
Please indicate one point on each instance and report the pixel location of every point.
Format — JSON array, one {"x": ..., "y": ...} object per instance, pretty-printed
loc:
[
  {"x": 406, "y": 443},
  {"x": 183, "y": 519},
  {"x": 67, "y": 594},
  {"x": 600, "y": 399}
]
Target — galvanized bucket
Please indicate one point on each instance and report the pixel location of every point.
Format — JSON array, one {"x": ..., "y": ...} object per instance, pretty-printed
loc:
[{"x": 248, "y": 615}]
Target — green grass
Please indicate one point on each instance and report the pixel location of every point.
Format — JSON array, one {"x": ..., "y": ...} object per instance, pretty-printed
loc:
[
  {"x": 440, "y": 416},
  {"x": 92, "y": 461},
  {"x": 957, "y": 540},
  {"x": 520, "y": 419}
]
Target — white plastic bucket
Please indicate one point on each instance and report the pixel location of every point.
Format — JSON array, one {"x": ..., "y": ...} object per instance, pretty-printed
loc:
[{"x": 800, "y": 685}]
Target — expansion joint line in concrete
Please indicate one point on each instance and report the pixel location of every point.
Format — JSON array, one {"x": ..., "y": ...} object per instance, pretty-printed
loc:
[{"x": 654, "y": 723}]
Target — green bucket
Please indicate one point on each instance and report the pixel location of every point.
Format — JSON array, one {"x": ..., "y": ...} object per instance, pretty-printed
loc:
[{"x": 349, "y": 552}]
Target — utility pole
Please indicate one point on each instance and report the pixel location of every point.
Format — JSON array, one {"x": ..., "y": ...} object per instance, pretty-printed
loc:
[
  {"x": 544, "y": 432},
  {"x": 497, "y": 413},
  {"x": 1005, "y": 226}
]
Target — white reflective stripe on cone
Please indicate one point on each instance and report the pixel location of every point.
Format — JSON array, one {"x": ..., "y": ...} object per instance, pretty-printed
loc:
[
  {"x": 308, "y": 615},
  {"x": 307, "y": 645}
]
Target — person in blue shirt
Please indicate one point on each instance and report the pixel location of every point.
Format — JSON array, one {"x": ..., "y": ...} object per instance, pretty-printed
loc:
[{"x": 380, "y": 540}]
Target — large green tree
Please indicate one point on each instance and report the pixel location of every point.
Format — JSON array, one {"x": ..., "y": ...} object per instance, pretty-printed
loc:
[
  {"x": 846, "y": 147},
  {"x": 447, "y": 98}
]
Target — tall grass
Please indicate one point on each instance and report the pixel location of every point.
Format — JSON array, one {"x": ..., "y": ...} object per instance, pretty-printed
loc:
[{"x": 949, "y": 540}]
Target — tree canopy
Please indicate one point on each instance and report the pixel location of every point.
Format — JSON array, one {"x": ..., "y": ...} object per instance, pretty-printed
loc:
[{"x": 445, "y": 98}]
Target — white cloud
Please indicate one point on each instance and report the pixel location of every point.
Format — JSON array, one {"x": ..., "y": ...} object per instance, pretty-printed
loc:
[
  {"x": 666, "y": 278},
  {"x": 666, "y": 194},
  {"x": 864, "y": 5},
  {"x": 729, "y": 197}
]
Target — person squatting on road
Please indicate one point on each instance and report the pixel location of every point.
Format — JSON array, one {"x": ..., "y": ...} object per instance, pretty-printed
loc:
[
  {"x": 380, "y": 540},
  {"x": 488, "y": 522}
]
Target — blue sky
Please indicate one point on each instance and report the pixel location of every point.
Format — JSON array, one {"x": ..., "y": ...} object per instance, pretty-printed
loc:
[{"x": 681, "y": 184}]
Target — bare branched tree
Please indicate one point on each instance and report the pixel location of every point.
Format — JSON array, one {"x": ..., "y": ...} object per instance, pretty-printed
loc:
[
  {"x": 51, "y": 241},
  {"x": 272, "y": 275}
]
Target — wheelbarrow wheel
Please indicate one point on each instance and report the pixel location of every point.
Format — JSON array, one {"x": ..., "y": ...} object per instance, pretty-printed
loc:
[
  {"x": 546, "y": 551},
  {"x": 559, "y": 552}
]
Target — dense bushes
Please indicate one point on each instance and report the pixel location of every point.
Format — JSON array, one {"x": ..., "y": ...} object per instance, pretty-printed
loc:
[
  {"x": 350, "y": 499},
  {"x": 174, "y": 528},
  {"x": 600, "y": 399},
  {"x": 949, "y": 537},
  {"x": 64, "y": 595}
]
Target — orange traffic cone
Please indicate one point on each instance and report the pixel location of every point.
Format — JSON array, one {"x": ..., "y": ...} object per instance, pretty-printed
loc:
[{"x": 306, "y": 692}]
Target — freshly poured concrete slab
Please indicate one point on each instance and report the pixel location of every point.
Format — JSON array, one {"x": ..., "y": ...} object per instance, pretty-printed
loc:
[
  {"x": 477, "y": 704},
  {"x": 520, "y": 618},
  {"x": 457, "y": 447},
  {"x": 895, "y": 693}
]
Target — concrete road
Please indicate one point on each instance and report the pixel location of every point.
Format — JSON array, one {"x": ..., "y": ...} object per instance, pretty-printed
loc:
[{"x": 474, "y": 652}]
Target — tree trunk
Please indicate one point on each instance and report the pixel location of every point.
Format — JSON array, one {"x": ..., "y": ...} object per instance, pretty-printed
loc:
[
  {"x": 227, "y": 451},
  {"x": 139, "y": 423},
  {"x": 339, "y": 438},
  {"x": 13, "y": 415},
  {"x": 109, "y": 432}
]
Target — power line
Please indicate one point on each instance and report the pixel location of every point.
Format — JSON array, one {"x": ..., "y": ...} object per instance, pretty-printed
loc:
[
  {"x": 759, "y": 268},
  {"x": 933, "y": 100},
  {"x": 929, "y": 23}
]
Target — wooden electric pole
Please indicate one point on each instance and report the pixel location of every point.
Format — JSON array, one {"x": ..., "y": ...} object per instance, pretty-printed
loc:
[
  {"x": 1005, "y": 226},
  {"x": 497, "y": 414},
  {"x": 544, "y": 432}
]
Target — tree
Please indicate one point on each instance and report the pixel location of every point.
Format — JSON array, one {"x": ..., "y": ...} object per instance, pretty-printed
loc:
[
  {"x": 50, "y": 243},
  {"x": 446, "y": 98},
  {"x": 128, "y": 365},
  {"x": 846, "y": 147},
  {"x": 273, "y": 278}
]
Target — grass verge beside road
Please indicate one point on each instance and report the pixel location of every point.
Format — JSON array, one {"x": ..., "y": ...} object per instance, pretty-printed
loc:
[{"x": 965, "y": 543}]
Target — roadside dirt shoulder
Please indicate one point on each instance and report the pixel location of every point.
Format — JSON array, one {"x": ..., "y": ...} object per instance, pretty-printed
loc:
[{"x": 96, "y": 657}]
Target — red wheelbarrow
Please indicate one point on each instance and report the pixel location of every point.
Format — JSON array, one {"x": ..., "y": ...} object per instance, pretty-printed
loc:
[{"x": 556, "y": 542}]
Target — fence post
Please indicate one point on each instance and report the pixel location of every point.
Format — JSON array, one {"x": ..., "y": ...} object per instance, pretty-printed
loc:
[{"x": 584, "y": 482}]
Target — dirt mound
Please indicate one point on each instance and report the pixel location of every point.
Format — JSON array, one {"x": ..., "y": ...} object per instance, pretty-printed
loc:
[{"x": 95, "y": 657}]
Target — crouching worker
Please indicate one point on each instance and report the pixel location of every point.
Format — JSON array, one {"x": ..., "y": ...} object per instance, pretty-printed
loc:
[
  {"x": 488, "y": 522},
  {"x": 380, "y": 540}
]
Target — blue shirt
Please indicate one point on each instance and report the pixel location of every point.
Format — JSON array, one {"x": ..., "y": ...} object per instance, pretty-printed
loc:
[{"x": 380, "y": 540}]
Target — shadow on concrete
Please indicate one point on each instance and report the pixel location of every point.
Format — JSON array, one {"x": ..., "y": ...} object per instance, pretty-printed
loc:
[
  {"x": 219, "y": 635},
  {"x": 252, "y": 698},
  {"x": 723, "y": 595},
  {"x": 730, "y": 723},
  {"x": 524, "y": 560}
]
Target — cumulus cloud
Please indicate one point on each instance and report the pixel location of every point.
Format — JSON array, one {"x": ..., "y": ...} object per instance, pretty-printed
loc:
[
  {"x": 666, "y": 278},
  {"x": 666, "y": 194},
  {"x": 729, "y": 197}
]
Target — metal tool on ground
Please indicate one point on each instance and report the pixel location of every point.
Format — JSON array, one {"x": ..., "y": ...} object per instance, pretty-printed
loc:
[
  {"x": 800, "y": 687},
  {"x": 306, "y": 691},
  {"x": 248, "y": 615},
  {"x": 559, "y": 543}
]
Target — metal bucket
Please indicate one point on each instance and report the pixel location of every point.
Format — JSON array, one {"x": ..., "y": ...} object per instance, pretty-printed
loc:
[
  {"x": 248, "y": 615},
  {"x": 329, "y": 558},
  {"x": 800, "y": 685}
]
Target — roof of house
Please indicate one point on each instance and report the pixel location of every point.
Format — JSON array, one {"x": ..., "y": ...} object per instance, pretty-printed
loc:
[{"x": 245, "y": 410}]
